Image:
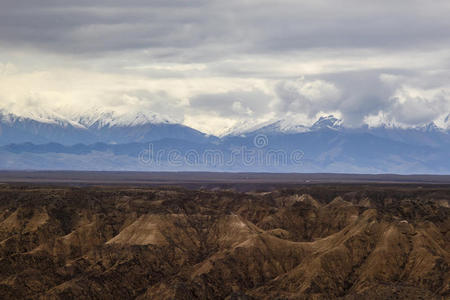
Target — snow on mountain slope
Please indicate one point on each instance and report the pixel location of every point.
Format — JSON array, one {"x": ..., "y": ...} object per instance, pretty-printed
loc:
[
  {"x": 100, "y": 118},
  {"x": 243, "y": 127},
  {"x": 430, "y": 127},
  {"x": 327, "y": 122},
  {"x": 291, "y": 125},
  {"x": 445, "y": 123},
  {"x": 327, "y": 145},
  {"x": 106, "y": 126},
  {"x": 97, "y": 125},
  {"x": 38, "y": 115},
  {"x": 288, "y": 125},
  {"x": 40, "y": 127}
]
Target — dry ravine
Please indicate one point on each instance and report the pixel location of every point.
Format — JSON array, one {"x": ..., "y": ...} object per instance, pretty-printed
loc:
[{"x": 316, "y": 242}]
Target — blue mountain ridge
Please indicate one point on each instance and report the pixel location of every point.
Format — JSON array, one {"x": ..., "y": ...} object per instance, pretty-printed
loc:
[{"x": 324, "y": 147}]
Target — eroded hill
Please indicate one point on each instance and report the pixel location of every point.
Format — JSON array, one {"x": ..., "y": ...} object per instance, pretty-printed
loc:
[{"x": 317, "y": 242}]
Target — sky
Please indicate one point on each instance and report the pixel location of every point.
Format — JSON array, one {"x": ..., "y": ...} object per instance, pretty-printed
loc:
[{"x": 214, "y": 64}]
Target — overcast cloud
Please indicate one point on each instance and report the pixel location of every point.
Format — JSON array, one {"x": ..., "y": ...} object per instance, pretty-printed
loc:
[{"x": 211, "y": 64}]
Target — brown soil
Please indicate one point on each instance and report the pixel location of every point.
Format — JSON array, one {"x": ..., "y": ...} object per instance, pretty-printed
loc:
[{"x": 315, "y": 242}]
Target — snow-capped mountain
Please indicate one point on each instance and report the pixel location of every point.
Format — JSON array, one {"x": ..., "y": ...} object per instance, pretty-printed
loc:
[
  {"x": 284, "y": 126},
  {"x": 330, "y": 122},
  {"x": 100, "y": 118},
  {"x": 95, "y": 126},
  {"x": 110, "y": 140},
  {"x": 241, "y": 127},
  {"x": 246, "y": 127},
  {"x": 425, "y": 135},
  {"x": 327, "y": 122},
  {"x": 39, "y": 115},
  {"x": 289, "y": 125},
  {"x": 40, "y": 127},
  {"x": 446, "y": 123}
]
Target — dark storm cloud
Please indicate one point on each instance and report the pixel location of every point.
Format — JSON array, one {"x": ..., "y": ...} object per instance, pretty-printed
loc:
[
  {"x": 245, "y": 26},
  {"x": 96, "y": 26}
]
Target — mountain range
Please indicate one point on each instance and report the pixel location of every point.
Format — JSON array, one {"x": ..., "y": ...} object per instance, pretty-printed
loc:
[
  {"x": 106, "y": 140},
  {"x": 98, "y": 126}
]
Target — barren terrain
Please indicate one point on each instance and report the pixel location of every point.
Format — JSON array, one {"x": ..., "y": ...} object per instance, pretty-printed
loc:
[{"x": 303, "y": 242}]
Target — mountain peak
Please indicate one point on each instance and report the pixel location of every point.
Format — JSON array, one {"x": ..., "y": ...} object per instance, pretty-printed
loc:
[
  {"x": 287, "y": 125},
  {"x": 447, "y": 123},
  {"x": 100, "y": 118},
  {"x": 290, "y": 126},
  {"x": 430, "y": 128},
  {"x": 38, "y": 115},
  {"x": 327, "y": 122},
  {"x": 6, "y": 117}
]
